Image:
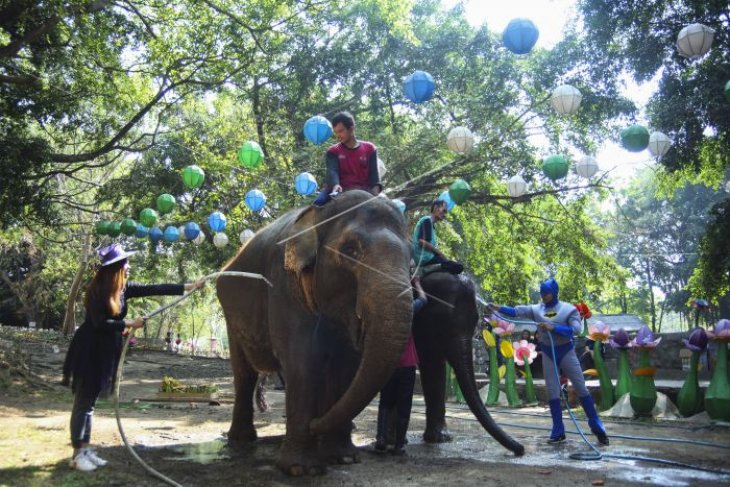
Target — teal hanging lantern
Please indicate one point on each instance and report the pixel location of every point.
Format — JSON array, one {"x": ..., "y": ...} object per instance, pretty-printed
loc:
[
  {"x": 217, "y": 221},
  {"x": 193, "y": 177},
  {"x": 459, "y": 191},
  {"x": 171, "y": 234},
  {"x": 250, "y": 155},
  {"x": 317, "y": 129},
  {"x": 555, "y": 167},
  {"x": 450, "y": 204},
  {"x": 141, "y": 231},
  {"x": 255, "y": 200},
  {"x": 129, "y": 227},
  {"x": 165, "y": 203},
  {"x": 635, "y": 138},
  {"x": 419, "y": 87},
  {"x": 155, "y": 234},
  {"x": 520, "y": 36},
  {"x": 148, "y": 217}
]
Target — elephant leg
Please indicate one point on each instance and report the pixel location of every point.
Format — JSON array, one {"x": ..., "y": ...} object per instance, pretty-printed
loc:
[
  {"x": 336, "y": 447},
  {"x": 433, "y": 380},
  {"x": 244, "y": 381},
  {"x": 305, "y": 379}
]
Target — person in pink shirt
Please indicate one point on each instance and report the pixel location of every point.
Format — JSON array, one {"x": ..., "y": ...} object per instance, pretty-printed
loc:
[
  {"x": 351, "y": 163},
  {"x": 397, "y": 394}
]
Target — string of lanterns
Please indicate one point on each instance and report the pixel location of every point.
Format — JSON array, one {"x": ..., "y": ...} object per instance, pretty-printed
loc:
[{"x": 519, "y": 37}]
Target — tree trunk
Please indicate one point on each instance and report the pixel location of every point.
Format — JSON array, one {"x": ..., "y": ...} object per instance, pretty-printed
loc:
[{"x": 69, "y": 321}]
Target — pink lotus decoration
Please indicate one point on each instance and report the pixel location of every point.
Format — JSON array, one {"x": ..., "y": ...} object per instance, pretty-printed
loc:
[
  {"x": 721, "y": 331},
  {"x": 524, "y": 350},
  {"x": 645, "y": 339},
  {"x": 599, "y": 332},
  {"x": 620, "y": 340},
  {"x": 503, "y": 328},
  {"x": 697, "y": 341}
]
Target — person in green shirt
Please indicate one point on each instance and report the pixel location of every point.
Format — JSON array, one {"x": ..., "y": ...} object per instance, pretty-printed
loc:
[{"x": 425, "y": 243}]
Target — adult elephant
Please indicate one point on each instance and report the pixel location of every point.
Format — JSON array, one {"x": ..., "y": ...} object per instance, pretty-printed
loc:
[
  {"x": 443, "y": 332},
  {"x": 334, "y": 323}
]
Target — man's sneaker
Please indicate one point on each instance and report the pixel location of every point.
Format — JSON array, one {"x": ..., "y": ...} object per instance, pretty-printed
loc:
[
  {"x": 95, "y": 459},
  {"x": 556, "y": 440},
  {"x": 82, "y": 462}
]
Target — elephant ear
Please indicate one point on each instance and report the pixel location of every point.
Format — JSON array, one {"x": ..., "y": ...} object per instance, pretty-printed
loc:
[{"x": 300, "y": 255}]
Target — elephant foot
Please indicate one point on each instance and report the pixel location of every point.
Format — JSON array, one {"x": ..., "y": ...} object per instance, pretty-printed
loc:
[
  {"x": 339, "y": 451},
  {"x": 297, "y": 461},
  {"x": 437, "y": 435}
]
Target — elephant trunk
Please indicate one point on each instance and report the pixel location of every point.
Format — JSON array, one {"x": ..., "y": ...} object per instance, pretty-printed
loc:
[
  {"x": 383, "y": 341},
  {"x": 460, "y": 360}
]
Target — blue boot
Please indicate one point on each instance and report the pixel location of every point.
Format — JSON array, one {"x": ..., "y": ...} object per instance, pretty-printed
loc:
[
  {"x": 593, "y": 420},
  {"x": 557, "y": 435}
]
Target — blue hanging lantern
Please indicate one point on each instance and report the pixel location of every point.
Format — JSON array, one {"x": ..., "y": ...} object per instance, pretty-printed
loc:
[
  {"x": 172, "y": 234},
  {"x": 255, "y": 200},
  {"x": 520, "y": 36},
  {"x": 317, "y": 129},
  {"x": 399, "y": 203},
  {"x": 305, "y": 184},
  {"x": 419, "y": 87},
  {"x": 191, "y": 230},
  {"x": 141, "y": 231},
  {"x": 155, "y": 234},
  {"x": 450, "y": 204},
  {"x": 217, "y": 221}
]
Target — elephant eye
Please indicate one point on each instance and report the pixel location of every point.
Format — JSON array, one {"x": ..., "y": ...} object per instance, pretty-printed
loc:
[{"x": 350, "y": 250}]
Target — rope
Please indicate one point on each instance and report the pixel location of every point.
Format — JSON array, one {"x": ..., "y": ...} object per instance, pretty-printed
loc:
[{"x": 120, "y": 368}]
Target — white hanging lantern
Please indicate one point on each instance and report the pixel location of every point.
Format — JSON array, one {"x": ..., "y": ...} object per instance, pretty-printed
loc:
[
  {"x": 181, "y": 231},
  {"x": 695, "y": 40},
  {"x": 460, "y": 140},
  {"x": 199, "y": 239},
  {"x": 586, "y": 167},
  {"x": 659, "y": 144},
  {"x": 566, "y": 99},
  {"x": 516, "y": 186},
  {"x": 220, "y": 240},
  {"x": 246, "y": 235},
  {"x": 381, "y": 168}
]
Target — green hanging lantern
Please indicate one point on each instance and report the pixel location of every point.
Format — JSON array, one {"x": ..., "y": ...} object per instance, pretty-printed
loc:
[
  {"x": 129, "y": 227},
  {"x": 102, "y": 227},
  {"x": 556, "y": 166},
  {"x": 727, "y": 90},
  {"x": 165, "y": 203},
  {"x": 459, "y": 191},
  {"x": 115, "y": 228},
  {"x": 148, "y": 217},
  {"x": 493, "y": 392},
  {"x": 193, "y": 177},
  {"x": 717, "y": 396},
  {"x": 250, "y": 155},
  {"x": 635, "y": 138}
]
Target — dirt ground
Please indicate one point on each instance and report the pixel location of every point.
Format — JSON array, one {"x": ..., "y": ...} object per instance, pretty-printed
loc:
[{"x": 185, "y": 441}]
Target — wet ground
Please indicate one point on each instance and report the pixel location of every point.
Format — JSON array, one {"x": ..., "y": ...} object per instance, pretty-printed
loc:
[{"x": 185, "y": 441}]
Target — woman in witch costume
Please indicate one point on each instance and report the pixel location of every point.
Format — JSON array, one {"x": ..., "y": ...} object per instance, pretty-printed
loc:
[{"x": 93, "y": 356}]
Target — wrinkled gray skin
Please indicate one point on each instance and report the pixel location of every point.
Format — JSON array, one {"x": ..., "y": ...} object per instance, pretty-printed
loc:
[
  {"x": 335, "y": 322},
  {"x": 443, "y": 331}
]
